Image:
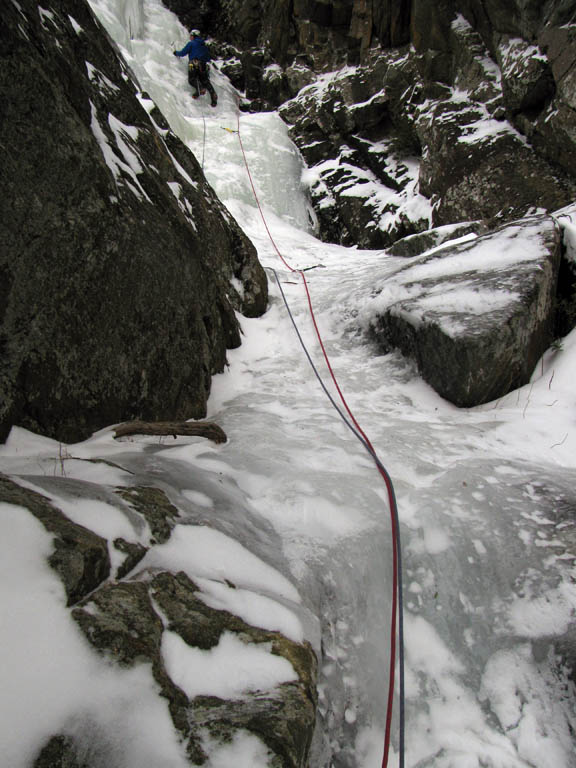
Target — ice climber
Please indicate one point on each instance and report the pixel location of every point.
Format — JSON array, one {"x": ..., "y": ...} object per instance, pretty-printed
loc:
[{"x": 198, "y": 74}]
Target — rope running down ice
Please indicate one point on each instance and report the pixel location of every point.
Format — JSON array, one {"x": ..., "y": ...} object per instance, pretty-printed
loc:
[{"x": 397, "y": 601}]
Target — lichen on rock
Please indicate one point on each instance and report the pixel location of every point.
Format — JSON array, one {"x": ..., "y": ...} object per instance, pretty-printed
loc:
[{"x": 126, "y": 620}]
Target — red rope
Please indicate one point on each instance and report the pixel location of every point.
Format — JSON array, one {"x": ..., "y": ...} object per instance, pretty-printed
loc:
[{"x": 393, "y": 620}]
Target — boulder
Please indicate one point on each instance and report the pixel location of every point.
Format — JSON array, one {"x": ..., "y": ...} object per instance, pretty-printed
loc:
[
  {"x": 476, "y": 316},
  {"x": 527, "y": 79},
  {"x": 155, "y": 507},
  {"x": 116, "y": 258},
  {"x": 473, "y": 69}
]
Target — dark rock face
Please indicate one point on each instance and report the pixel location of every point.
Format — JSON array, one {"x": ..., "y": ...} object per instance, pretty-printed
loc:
[
  {"x": 494, "y": 176},
  {"x": 329, "y": 32},
  {"x": 476, "y": 335},
  {"x": 115, "y": 255},
  {"x": 365, "y": 173},
  {"x": 60, "y": 752},
  {"x": 379, "y": 136}
]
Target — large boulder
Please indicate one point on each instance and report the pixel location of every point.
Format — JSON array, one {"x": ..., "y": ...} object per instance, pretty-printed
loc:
[
  {"x": 116, "y": 258},
  {"x": 475, "y": 316}
]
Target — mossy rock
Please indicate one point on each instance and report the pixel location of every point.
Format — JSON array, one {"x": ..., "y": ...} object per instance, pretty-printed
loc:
[
  {"x": 119, "y": 620},
  {"x": 80, "y": 557},
  {"x": 59, "y": 752},
  {"x": 122, "y": 621},
  {"x": 282, "y": 718},
  {"x": 155, "y": 507},
  {"x": 134, "y": 554}
]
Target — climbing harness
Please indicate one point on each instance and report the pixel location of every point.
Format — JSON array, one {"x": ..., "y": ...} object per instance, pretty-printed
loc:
[{"x": 397, "y": 612}]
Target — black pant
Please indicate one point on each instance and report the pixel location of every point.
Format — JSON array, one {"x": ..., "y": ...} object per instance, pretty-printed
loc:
[{"x": 199, "y": 78}]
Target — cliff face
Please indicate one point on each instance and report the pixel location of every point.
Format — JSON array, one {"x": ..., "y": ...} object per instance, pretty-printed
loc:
[
  {"x": 429, "y": 74},
  {"x": 448, "y": 113},
  {"x": 115, "y": 255}
]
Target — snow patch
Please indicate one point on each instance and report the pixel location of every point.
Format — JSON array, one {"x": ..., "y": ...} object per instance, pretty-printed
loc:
[{"x": 228, "y": 671}]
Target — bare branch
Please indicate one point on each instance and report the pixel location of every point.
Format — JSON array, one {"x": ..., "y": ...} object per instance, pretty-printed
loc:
[{"x": 561, "y": 441}]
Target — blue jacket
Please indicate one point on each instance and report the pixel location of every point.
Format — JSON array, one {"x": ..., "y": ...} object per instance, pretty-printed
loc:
[{"x": 196, "y": 49}]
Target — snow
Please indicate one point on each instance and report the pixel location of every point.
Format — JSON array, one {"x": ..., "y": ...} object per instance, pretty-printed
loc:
[
  {"x": 515, "y": 54},
  {"x": 460, "y": 24},
  {"x": 255, "y": 609},
  {"x": 45, "y": 14},
  {"x": 96, "y": 76},
  {"x": 47, "y": 669},
  {"x": 202, "y": 551},
  {"x": 485, "y": 129},
  {"x": 287, "y": 523},
  {"x": 229, "y": 670},
  {"x": 244, "y": 751},
  {"x": 75, "y": 26},
  {"x": 122, "y": 170},
  {"x": 566, "y": 218}
]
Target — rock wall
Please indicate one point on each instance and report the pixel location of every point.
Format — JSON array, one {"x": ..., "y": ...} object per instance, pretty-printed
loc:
[
  {"x": 458, "y": 112},
  {"x": 327, "y": 32},
  {"x": 482, "y": 101},
  {"x": 394, "y": 154},
  {"x": 115, "y": 256}
]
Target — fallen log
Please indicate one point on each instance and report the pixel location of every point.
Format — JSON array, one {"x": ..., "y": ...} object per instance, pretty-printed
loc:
[{"x": 207, "y": 429}]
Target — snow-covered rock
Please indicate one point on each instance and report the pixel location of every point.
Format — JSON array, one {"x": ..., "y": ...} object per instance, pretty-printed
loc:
[
  {"x": 178, "y": 603},
  {"x": 477, "y": 315},
  {"x": 363, "y": 181}
]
